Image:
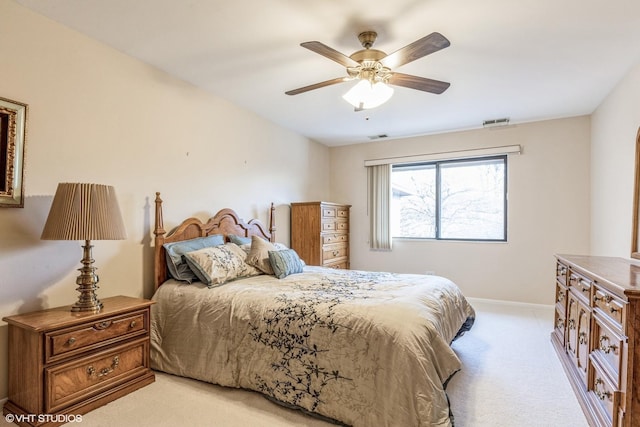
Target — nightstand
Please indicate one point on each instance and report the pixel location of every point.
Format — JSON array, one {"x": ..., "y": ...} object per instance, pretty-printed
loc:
[{"x": 63, "y": 364}]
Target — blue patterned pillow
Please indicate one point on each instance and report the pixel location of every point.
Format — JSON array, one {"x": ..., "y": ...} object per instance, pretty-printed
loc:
[
  {"x": 285, "y": 262},
  {"x": 175, "y": 255},
  {"x": 239, "y": 240}
]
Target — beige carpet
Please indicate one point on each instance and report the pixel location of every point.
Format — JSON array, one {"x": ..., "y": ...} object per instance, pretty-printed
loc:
[{"x": 510, "y": 377}]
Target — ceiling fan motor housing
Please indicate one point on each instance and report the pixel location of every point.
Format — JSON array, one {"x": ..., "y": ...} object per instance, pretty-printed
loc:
[{"x": 370, "y": 68}]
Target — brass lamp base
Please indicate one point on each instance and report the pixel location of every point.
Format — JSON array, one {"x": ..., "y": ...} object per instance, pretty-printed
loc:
[{"x": 87, "y": 283}]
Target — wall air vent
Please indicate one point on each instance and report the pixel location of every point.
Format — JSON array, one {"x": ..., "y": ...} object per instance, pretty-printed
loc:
[
  {"x": 495, "y": 122},
  {"x": 382, "y": 135}
]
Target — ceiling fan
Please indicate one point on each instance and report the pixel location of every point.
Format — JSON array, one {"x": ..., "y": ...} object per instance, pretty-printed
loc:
[{"x": 375, "y": 66}]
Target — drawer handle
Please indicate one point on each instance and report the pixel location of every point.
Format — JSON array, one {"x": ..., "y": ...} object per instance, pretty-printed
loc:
[
  {"x": 560, "y": 324},
  {"x": 335, "y": 253},
  {"x": 102, "y": 325},
  {"x": 560, "y": 297},
  {"x": 613, "y": 309},
  {"x": 132, "y": 324},
  {"x": 71, "y": 341},
  {"x": 602, "y": 395},
  {"x": 606, "y": 298},
  {"x": 606, "y": 347},
  {"x": 572, "y": 323},
  {"x": 582, "y": 337},
  {"x": 91, "y": 371}
]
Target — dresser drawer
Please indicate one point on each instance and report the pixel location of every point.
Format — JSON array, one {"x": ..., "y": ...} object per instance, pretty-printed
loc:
[
  {"x": 610, "y": 306},
  {"x": 581, "y": 284},
  {"x": 561, "y": 296},
  {"x": 341, "y": 265},
  {"x": 335, "y": 212},
  {"x": 559, "y": 325},
  {"x": 328, "y": 239},
  {"x": 609, "y": 347},
  {"x": 601, "y": 390},
  {"x": 80, "y": 338},
  {"x": 335, "y": 226},
  {"x": 329, "y": 212},
  {"x": 561, "y": 272},
  {"x": 80, "y": 379},
  {"x": 333, "y": 252}
]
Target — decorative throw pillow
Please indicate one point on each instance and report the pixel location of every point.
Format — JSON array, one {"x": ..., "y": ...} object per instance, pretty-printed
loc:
[
  {"x": 175, "y": 251},
  {"x": 285, "y": 262},
  {"x": 280, "y": 246},
  {"x": 239, "y": 240},
  {"x": 219, "y": 264},
  {"x": 258, "y": 256}
]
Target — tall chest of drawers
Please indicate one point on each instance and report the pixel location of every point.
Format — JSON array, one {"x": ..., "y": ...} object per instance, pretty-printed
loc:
[
  {"x": 597, "y": 335},
  {"x": 320, "y": 233},
  {"x": 64, "y": 364}
]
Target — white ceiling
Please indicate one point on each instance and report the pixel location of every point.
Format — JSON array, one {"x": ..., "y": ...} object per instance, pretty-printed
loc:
[{"x": 525, "y": 59}]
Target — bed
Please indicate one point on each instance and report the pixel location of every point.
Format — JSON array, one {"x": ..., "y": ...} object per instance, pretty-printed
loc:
[{"x": 356, "y": 348}]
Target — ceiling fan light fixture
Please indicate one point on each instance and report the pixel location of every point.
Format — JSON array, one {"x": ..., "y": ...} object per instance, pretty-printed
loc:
[{"x": 365, "y": 94}]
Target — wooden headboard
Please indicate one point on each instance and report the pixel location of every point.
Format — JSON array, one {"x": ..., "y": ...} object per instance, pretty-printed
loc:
[{"x": 225, "y": 222}]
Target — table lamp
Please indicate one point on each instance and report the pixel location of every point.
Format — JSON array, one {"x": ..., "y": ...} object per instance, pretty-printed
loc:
[{"x": 85, "y": 212}]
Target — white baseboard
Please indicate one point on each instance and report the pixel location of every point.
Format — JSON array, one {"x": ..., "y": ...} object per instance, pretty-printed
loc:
[{"x": 512, "y": 303}]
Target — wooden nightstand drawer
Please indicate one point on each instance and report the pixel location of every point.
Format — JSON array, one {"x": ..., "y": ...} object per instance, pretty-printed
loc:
[
  {"x": 80, "y": 338},
  {"x": 71, "y": 382}
]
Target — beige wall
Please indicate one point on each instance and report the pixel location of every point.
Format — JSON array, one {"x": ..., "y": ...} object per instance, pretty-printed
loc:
[
  {"x": 548, "y": 210},
  {"x": 96, "y": 115},
  {"x": 614, "y": 127}
]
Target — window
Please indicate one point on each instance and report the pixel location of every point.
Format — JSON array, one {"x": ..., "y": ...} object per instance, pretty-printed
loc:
[{"x": 453, "y": 200}]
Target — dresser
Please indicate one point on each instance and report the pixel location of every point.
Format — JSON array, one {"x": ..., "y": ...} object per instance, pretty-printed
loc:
[
  {"x": 320, "y": 233},
  {"x": 597, "y": 335},
  {"x": 63, "y": 364}
]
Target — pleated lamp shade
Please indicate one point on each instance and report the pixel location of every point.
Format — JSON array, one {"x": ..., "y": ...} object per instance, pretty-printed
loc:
[{"x": 84, "y": 212}]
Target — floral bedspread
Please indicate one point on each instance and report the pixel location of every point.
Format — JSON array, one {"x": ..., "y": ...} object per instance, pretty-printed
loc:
[{"x": 361, "y": 348}]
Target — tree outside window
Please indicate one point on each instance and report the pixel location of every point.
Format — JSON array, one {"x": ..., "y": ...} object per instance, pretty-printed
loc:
[{"x": 454, "y": 200}]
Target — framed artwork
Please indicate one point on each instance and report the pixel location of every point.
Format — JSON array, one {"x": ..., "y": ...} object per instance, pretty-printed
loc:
[
  {"x": 635, "y": 236},
  {"x": 13, "y": 126}
]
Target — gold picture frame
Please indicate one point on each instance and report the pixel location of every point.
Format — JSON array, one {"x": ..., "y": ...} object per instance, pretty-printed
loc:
[
  {"x": 635, "y": 233},
  {"x": 13, "y": 127}
]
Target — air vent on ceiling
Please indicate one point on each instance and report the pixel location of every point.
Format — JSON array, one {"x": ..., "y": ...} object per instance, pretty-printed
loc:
[
  {"x": 495, "y": 122},
  {"x": 382, "y": 135}
]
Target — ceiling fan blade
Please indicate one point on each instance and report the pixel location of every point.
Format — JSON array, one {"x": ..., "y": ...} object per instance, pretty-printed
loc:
[
  {"x": 330, "y": 53},
  {"x": 318, "y": 85},
  {"x": 419, "y": 48},
  {"x": 419, "y": 83}
]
